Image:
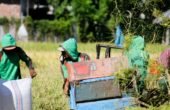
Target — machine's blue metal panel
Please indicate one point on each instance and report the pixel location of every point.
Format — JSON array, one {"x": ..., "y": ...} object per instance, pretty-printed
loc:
[
  {"x": 111, "y": 104},
  {"x": 97, "y": 79},
  {"x": 72, "y": 97},
  {"x": 97, "y": 89},
  {"x": 104, "y": 104}
]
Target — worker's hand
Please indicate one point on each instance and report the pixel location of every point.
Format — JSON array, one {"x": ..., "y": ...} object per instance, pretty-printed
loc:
[
  {"x": 32, "y": 73},
  {"x": 66, "y": 87}
]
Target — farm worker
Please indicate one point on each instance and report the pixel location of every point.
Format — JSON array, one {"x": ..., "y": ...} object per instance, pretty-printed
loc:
[
  {"x": 138, "y": 58},
  {"x": 10, "y": 56},
  {"x": 69, "y": 54}
]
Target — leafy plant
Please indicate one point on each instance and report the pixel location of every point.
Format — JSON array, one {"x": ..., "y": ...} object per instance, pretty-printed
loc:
[
  {"x": 155, "y": 67},
  {"x": 128, "y": 41},
  {"x": 4, "y": 20},
  {"x": 125, "y": 77}
]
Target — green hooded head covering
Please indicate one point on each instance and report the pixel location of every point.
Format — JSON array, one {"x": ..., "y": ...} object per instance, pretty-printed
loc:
[
  {"x": 8, "y": 41},
  {"x": 136, "y": 54},
  {"x": 70, "y": 46},
  {"x": 138, "y": 43}
]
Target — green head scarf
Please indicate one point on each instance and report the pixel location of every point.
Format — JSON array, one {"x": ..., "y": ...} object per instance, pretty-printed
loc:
[
  {"x": 70, "y": 46},
  {"x": 8, "y": 41},
  {"x": 138, "y": 43}
]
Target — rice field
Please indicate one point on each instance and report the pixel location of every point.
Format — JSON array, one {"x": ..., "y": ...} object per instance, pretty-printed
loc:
[{"x": 47, "y": 85}]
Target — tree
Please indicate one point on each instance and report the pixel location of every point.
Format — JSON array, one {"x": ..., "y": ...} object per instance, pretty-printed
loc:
[{"x": 98, "y": 18}]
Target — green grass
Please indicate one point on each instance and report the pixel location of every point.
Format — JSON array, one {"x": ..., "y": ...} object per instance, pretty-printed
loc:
[
  {"x": 155, "y": 48},
  {"x": 47, "y": 86}
]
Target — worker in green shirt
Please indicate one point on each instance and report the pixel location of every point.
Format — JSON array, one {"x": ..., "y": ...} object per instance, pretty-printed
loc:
[
  {"x": 138, "y": 58},
  {"x": 10, "y": 56},
  {"x": 69, "y": 54}
]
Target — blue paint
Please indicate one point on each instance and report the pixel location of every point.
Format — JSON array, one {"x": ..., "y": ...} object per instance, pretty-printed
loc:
[
  {"x": 103, "y": 104},
  {"x": 72, "y": 97},
  {"x": 111, "y": 104},
  {"x": 97, "y": 79}
]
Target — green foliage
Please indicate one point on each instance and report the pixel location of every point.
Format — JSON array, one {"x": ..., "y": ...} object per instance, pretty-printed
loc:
[
  {"x": 100, "y": 17},
  {"x": 4, "y": 21},
  {"x": 125, "y": 73},
  {"x": 90, "y": 37},
  {"x": 90, "y": 17},
  {"x": 125, "y": 76},
  {"x": 165, "y": 20},
  {"x": 51, "y": 28},
  {"x": 95, "y": 20},
  {"x": 28, "y": 21},
  {"x": 14, "y": 21},
  {"x": 128, "y": 41},
  {"x": 112, "y": 23}
]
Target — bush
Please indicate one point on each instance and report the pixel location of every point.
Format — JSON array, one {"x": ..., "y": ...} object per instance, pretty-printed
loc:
[{"x": 4, "y": 21}]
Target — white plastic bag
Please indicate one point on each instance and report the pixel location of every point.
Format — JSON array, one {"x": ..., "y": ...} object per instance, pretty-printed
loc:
[
  {"x": 16, "y": 94},
  {"x": 22, "y": 33}
]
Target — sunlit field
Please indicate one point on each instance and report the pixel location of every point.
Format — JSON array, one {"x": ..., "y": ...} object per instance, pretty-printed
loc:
[{"x": 47, "y": 86}]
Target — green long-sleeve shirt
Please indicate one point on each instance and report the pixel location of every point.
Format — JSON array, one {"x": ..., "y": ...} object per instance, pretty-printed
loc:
[{"x": 9, "y": 63}]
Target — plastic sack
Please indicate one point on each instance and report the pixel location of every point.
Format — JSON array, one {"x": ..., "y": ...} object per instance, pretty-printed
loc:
[
  {"x": 119, "y": 37},
  {"x": 22, "y": 33},
  {"x": 16, "y": 94}
]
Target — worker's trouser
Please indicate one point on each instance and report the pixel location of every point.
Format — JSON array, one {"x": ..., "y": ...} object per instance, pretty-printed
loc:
[
  {"x": 163, "y": 85},
  {"x": 140, "y": 86},
  {"x": 141, "y": 79}
]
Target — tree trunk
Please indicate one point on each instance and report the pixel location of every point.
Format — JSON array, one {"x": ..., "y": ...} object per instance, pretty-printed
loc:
[
  {"x": 167, "y": 36},
  {"x": 12, "y": 30},
  {"x": 1, "y": 31},
  {"x": 75, "y": 31}
]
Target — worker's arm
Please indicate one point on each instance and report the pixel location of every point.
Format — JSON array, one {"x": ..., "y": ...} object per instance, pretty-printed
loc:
[
  {"x": 23, "y": 56},
  {"x": 0, "y": 54},
  {"x": 84, "y": 57}
]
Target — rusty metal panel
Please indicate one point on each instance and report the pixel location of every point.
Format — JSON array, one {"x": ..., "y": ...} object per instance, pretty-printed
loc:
[
  {"x": 96, "y": 68},
  {"x": 97, "y": 89}
]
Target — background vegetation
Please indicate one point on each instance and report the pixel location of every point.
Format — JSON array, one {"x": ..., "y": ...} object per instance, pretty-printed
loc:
[{"x": 95, "y": 20}]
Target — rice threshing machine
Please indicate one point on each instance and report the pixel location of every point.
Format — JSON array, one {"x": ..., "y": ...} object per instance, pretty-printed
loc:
[{"x": 93, "y": 85}]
